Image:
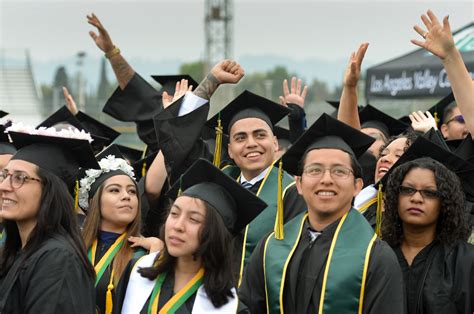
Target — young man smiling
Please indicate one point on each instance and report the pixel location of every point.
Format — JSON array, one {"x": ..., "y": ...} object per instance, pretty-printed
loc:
[{"x": 330, "y": 258}]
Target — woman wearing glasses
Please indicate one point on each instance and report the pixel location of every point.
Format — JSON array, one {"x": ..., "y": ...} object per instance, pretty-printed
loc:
[
  {"x": 425, "y": 223},
  {"x": 43, "y": 265}
]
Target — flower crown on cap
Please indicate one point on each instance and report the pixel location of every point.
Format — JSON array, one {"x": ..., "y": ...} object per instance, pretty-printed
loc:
[
  {"x": 107, "y": 164},
  {"x": 64, "y": 133}
]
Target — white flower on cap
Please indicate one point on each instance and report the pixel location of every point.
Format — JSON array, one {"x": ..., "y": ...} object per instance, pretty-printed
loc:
[{"x": 64, "y": 133}]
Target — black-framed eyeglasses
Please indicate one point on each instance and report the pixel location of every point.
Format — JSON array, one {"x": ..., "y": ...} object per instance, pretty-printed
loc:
[
  {"x": 458, "y": 118},
  {"x": 17, "y": 178},
  {"x": 425, "y": 193},
  {"x": 337, "y": 172}
]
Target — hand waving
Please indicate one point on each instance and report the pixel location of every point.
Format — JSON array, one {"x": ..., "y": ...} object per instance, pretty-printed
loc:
[
  {"x": 102, "y": 40},
  {"x": 352, "y": 74},
  {"x": 422, "y": 122},
  {"x": 70, "y": 103},
  {"x": 294, "y": 95},
  {"x": 181, "y": 89}
]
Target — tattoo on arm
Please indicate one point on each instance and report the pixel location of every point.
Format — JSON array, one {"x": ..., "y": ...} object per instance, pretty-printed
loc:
[
  {"x": 123, "y": 71},
  {"x": 207, "y": 87}
]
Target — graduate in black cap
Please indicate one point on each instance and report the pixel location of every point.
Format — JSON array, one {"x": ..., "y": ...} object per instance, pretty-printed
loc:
[
  {"x": 450, "y": 119},
  {"x": 193, "y": 273},
  {"x": 425, "y": 222},
  {"x": 328, "y": 257},
  {"x": 43, "y": 265},
  {"x": 112, "y": 201}
]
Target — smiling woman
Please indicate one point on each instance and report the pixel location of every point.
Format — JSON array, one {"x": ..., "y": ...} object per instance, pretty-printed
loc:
[{"x": 43, "y": 264}]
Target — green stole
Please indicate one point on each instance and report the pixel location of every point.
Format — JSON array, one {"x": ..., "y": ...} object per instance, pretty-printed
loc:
[
  {"x": 345, "y": 271},
  {"x": 265, "y": 222}
]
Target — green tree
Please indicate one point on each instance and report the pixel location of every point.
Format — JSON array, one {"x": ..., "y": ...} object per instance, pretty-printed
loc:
[{"x": 194, "y": 69}]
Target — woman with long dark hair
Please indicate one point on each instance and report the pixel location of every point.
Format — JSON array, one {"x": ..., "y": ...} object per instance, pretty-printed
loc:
[
  {"x": 425, "y": 223},
  {"x": 110, "y": 197},
  {"x": 43, "y": 265},
  {"x": 193, "y": 272}
]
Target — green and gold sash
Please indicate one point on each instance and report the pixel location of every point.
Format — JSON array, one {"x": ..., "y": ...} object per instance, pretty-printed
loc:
[
  {"x": 265, "y": 222},
  {"x": 178, "y": 299},
  {"x": 105, "y": 261},
  {"x": 345, "y": 271}
]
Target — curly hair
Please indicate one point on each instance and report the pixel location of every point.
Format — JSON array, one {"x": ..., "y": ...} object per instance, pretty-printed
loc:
[
  {"x": 410, "y": 135},
  {"x": 452, "y": 225}
]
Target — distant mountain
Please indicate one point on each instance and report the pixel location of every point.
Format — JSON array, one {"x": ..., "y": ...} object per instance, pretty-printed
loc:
[{"x": 329, "y": 71}]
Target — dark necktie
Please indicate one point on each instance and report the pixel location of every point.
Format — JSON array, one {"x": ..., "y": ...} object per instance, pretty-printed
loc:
[{"x": 247, "y": 185}]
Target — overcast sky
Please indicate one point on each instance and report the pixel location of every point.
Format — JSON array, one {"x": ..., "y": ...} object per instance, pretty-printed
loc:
[{"x": 162, "y": 29}]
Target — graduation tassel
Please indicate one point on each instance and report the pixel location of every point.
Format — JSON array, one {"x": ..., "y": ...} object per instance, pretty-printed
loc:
[
  {"x": 144, "y": 162},
  {"x": 279, "y": 233},
  {"x": 378, "y": 219},
  {"x": 76, "y": 196},
  {"x": 436, "y": 119},
  {"x": 180, "y": 190},
  {"x": 108, "y": 296},
  {"x": 218, "y": 149}
]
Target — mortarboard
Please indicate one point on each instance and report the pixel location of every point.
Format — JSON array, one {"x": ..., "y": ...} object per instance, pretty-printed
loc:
[
  {"x": 131, "y": 155},
  {"x": 371, "y": 117},
  {"x": 236, "y": 205},
  {"x": 168, "y": 82},
  {"x": 3, "y": 113},
  {"x": 283, "y": 136},
  {"x": 61, "y": 156},
  {"x": 326, "y": 132},
  {"x": 102, "y": 134},
  {"x": 439, "y": 108},
  {"x": 6, "y": 148}
]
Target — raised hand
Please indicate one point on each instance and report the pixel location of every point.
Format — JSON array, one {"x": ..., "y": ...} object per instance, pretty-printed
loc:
[
  {"x": 70, "y": 103},
  {"x": 228, "y": 71},
  {"x": 294, "y": 95},
  {"x": 102, "y": 40},
  {"x": 180, "y": 90},
  {"x": 352, "y": 73},
  {"x": 438, "y": 38},
  {"x": 422, "y": 122}
]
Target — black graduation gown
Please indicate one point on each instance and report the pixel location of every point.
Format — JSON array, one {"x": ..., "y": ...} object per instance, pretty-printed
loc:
[
  {"x": 303, "y": 283},
  {"x": 52, "y": 280},
  {"x": 440, "y": 279}
]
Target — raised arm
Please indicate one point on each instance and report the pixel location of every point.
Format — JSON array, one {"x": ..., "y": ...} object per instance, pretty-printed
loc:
[
  {"x": 294, "y": 98},
  {"x": 438, "y": 39},
  {"x": 348, "y": 110},
  {"x": 225, "y": 72},
  {"x": 123, "y": 71}
]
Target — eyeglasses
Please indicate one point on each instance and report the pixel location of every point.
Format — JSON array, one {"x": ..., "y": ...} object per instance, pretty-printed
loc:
[
  {"x": 17, "y": 178},
  {"x": 337, "y": 172},
  {"x": 425, "y": 193},
  {"x": 458, "y": 118}
]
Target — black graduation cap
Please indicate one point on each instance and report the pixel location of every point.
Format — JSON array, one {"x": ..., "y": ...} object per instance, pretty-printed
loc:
[
  {"x": 463, "y": 148},
  {"x": 423, "y": 147},
  {"x": 371, "y": 117},
  {"x": 3, "y": 113},
  {"x": 248, "y": 105},
  {"x": 336, "y": 103},
  {"x": 236, "y": 205},
  {"x": 326, "y": 132},
  {"x": 168, "y": 82},
  {"x": 102, "y": 134},
  {"x": 61, "y": 156},
  {"x": 119, "y": 151},
  {"x": 438, "y": 109}
]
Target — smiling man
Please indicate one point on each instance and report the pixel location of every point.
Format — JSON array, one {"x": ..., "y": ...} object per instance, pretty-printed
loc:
[{"x": 330, "y": 258}]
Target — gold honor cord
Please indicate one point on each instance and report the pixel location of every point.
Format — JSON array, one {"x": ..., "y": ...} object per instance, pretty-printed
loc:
[
  {"x": 179, "y": 298},
  {"x": 367, "y": 205}
]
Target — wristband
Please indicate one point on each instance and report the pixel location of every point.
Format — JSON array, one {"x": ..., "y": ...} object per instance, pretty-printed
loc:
[{"x": 112, "y": 53}]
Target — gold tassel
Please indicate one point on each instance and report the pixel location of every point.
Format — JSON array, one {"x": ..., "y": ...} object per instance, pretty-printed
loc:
[
  {"x": 436, "y": 119},
  {"x": 279, "y": 233},
  {"x": 218, "y": 149},
  {"x": 144, "y": 162},
  {"x": 108, "y": 296},
  {"x": 378, "y": 219},
  {"x": 180, "y": 190},
  {"x": 76, "y": 196}
]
